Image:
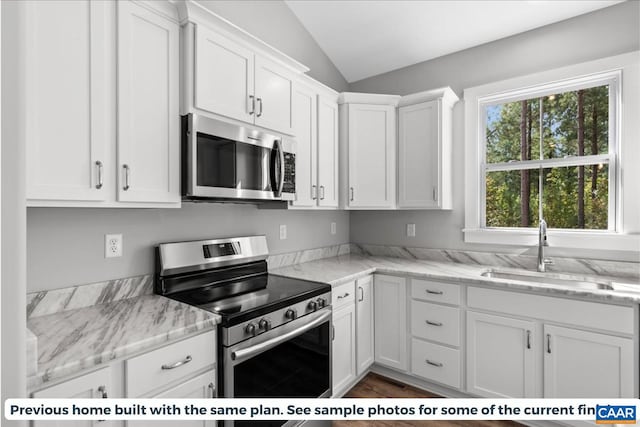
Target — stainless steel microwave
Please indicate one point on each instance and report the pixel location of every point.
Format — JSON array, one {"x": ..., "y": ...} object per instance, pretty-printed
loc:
[{"x": 224, "y": 161}]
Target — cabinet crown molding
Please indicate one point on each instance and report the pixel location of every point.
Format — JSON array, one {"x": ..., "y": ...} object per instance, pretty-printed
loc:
[
  {"x": 368, "y": 98},
  {"x": 448, "y": 96},
  {"x": 194, "y": 12}
]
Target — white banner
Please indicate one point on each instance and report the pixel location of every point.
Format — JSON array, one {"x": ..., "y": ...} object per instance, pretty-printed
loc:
[{"x": 605, "y": 410}]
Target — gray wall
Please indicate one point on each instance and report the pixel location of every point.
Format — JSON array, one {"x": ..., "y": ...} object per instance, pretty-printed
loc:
[
  {"x": 66, "y": 245},
  {"x": 603, "y": 33},
  {"x": 273, "y": 22}
]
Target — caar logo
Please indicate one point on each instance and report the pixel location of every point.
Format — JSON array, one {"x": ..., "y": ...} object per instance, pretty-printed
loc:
[{"x": 610, "y": 414}]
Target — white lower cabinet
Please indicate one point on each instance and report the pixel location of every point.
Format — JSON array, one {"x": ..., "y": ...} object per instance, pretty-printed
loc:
[
  {"x": 581, "y": 364},
  {"x": 390, "y": 314},
  {"x": 435, "y": 362},
  {"x": 364, "y": 324},
  {"x": 200, "y": 387},
  {"x": 94, "y": 385},
  {"x": 344, "y": 349},
  {"x": 501, "y": 356}
]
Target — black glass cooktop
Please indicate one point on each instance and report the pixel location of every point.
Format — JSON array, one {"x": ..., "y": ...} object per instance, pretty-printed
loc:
[{"x": 238, "y": 300}]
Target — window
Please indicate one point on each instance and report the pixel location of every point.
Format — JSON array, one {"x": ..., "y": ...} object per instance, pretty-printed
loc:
[
  {"x": 532, "y": 144},
  {"x": 550, "y": 156}
]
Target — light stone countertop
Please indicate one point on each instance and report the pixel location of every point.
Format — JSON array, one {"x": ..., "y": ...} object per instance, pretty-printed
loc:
[
  {"x": 72, "y": 341},
  {"x": 342, "y": 269}
]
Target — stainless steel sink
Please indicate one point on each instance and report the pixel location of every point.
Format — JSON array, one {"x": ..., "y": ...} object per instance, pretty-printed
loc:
[{"x": 579, "y": 282}]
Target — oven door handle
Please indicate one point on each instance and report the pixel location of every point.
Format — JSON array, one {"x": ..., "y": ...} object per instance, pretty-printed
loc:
[{"x": 246, "y": 353}]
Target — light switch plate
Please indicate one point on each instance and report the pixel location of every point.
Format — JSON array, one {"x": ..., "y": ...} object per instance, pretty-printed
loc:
[
  {"x": 112, "y": 245},
  {"x": 411, "y": 230},
  {"x": 283, "y": 231},
  {"x": 333, "y": 228}
]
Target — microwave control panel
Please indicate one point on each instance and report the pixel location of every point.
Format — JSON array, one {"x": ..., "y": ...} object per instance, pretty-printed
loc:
[{"x": 289, "y": 185}]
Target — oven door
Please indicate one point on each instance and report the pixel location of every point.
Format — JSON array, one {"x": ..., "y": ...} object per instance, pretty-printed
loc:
[
  {"x": 223, "y": 160},
  {"x": 291, "y": 361}
]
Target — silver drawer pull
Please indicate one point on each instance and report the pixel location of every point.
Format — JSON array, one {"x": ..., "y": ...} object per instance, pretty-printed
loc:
[
  {"x": 429, "y": 291},
  {"x": 103, "y": 392},
  {"x": 213, "y": 390},
  {"x": 346, "y": 294},
  {"x": 429, "y": 322},
  {"x": 437, "y": 364},
  {"x": 177, "y": 364}
]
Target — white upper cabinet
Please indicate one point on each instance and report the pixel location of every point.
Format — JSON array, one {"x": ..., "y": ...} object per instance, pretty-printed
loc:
[
  {"x": 315, "y": 126},
  {"x": 328, "y": 151},
  {"x": 223, "y": 76},
  {"x": 368, "y": 153},
  {"x": 273, "y": 88},
  {"x": 424, "y": 150},
  {"x": 148, "y": 101},
  {"x": 68, "y": 113},
  {"x": 82, "y": 56}
]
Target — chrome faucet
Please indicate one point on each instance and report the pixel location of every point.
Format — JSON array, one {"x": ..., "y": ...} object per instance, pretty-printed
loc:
[{"x": 542, "y": 242}]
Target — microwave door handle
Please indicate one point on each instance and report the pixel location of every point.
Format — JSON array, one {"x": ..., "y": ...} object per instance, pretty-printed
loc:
[{"x": 280, "y": 160}]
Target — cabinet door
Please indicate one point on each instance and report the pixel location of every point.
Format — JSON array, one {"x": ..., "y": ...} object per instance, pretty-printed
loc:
[
  {"x": 327, "y": 152},
  {"x": 200, "y": 387},
  {"x": 344, "y": 349},
  {"x": 90, "y": 386},
  {"x": 579, "y": 364},
  {"x": 501, "y": 356},
  {"x": 223, "y": 76},
  {"x": 273, "y": 88},
  {"x": 419, "y": 155},
  {"x": 371, "y": 156},
  {"x": 364, "y": 324},
  {"x": 67, "y": 95},
  {"x": 148, "y": 118},
  {"x": 305, "y": 129},
  {"x": 390, "y": 314}
]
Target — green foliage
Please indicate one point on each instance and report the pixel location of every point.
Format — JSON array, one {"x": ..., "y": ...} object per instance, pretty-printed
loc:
[{"x": 560, "y": 139}]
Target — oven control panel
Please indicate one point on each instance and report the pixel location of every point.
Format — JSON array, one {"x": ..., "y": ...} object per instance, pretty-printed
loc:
[{"x": 257, "y": 326}]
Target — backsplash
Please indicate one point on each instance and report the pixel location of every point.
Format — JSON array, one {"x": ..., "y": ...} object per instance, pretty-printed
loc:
[
  {"x": 306, "y": 255},
  {"x": 57, "y": 300},
  {"x": 618, "y": 269}
]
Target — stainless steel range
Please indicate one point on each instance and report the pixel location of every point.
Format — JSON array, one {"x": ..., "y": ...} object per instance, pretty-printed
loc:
[{"x": 275, "y": 336}]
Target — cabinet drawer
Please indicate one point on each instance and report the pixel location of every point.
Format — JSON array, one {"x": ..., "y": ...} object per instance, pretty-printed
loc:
[
  {"x": 145, "y": 373},
  {"x": 428, "y": 290},
  {"x": 435, "y": 362},
  {"x": 343, "y": 295},
  {"x": 435, "y": 322},
  {"x": 593, "y": 315}
]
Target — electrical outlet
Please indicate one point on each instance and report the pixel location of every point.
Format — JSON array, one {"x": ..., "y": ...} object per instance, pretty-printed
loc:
[
  {"x": 333, "y": 228},
  {"x": 112, "y": 245},
  {"x": 411, "y": 230},
  {"x": 283, "y": 232}
]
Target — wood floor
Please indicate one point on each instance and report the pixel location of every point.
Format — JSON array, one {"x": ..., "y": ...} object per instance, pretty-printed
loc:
[{"x": 377, "y": 386}]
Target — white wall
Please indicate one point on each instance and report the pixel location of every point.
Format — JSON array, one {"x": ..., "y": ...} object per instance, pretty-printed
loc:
[{"x": 603, "y": 33}]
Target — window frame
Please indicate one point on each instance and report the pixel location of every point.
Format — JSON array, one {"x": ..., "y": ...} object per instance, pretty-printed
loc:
[
  {"x": 624, "y": 233},
  {"x": 611, "y": 78}
]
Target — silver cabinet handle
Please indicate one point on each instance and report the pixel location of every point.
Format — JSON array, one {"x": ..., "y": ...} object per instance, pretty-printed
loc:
[
  {"x": 435, "y": 194},
  {"x": 100, "y": 181},
  {"x": 252, "y": 100},
  {"x": 213, "y": 390},
  {"x": 351, "y": 189},
  {"x": 346, "y": 294},
  {"x": 259, "y": 101},
  {"x": 103, "y": 391},
  {"x": 549, "y": 343},
  {"x": 177, "y": 364},
  {"x": 322, "y": 192},
  {"x": 437, "y": 364},
  {"x": 528, "y": 339},
  {"x": 127, "y": 169},
  {"x": 429, "y": 322},
  {"x": 333, "y": 332},
  {"x": 361, "y": 293},
  {"x": 429, "y": 291},
  {"x": 314, "y": 192}
]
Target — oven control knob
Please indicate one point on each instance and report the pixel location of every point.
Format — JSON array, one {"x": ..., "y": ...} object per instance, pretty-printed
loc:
[
  {"x": 265, "y": 324},
  {"x": 291, "y": 314},
  {"x": 313, "y": 306},
  {"x": 322, "y": 302},
  {"x": 251, "y": 329}
]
